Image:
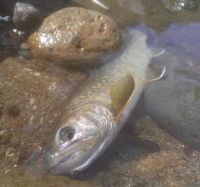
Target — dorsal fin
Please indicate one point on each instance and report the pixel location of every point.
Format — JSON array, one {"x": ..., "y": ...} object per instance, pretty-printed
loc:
[{"x": 121, "y": 93}]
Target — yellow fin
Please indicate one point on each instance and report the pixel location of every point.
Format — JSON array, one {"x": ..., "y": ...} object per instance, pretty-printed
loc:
[{"x": 121, "y": 93}]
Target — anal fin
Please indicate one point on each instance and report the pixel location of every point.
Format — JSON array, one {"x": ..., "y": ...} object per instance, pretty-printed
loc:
[{"x": 121, "y": 93}]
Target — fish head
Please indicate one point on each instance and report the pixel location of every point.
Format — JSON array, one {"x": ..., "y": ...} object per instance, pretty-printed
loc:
[{"x": 81, "y": 136}]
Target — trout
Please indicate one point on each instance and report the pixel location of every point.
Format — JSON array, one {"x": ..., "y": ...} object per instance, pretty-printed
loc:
[{"x": 98, "y": 111}]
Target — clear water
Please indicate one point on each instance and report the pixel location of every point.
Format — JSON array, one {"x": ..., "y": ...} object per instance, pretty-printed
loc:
[{"x": 27, "y": 102}]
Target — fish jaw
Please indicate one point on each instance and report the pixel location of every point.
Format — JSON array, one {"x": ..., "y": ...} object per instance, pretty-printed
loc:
[
  {"x": 94, "y": 130},
  {"x": 64, "y": 161}
]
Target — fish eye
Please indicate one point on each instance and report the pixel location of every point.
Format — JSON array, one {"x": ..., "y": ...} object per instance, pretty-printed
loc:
[{"x": 66, "y": 134}]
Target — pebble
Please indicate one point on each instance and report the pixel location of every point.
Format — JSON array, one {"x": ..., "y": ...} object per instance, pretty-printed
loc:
[
  {"x": 32, "y": 100},
  {"x": 24, "y": 46},
  {"x": 9, "y": 152},
  {"x": 27, "y": 54},
  {"x": 2, "y": 133}
]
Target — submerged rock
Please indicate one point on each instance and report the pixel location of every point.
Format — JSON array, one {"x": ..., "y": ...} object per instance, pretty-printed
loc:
[
  {"x": 75, "y": 33},
  {"x": 174, "y": 103},
  {"x": 26, "y": 16}
]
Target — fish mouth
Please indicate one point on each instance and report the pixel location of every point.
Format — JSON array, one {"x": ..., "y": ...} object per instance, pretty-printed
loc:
[{"x": 72, "y": 156}]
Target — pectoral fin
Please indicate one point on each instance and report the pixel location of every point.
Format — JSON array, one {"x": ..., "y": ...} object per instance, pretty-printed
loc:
[
  {"x": 155, "y": 51},
  {"x": 121, "y": 93},
  {"x": 154, "y": 73}
]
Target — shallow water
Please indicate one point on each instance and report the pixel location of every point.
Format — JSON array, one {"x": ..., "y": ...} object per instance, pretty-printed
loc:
[{"x": 30, "y": 102}]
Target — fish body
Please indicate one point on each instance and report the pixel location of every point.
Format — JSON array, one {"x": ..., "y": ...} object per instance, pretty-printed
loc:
[{"x": 98, "y": 111}]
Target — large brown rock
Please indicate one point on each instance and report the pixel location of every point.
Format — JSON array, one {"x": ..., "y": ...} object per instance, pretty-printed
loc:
[{"x": 75, "y": 33}]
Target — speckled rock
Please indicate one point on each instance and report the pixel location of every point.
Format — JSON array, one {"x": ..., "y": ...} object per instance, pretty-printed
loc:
[
  {"x": 174, "y": 103},
  {"x": 37, "y": 177},
  {"x": 26, "y": 16},
  {"x": 75, "y": 33}
]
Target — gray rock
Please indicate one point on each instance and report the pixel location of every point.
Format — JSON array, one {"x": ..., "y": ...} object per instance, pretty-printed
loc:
[
  {"x": 25, "y": 16},
  {"x": 174, "y": 103},
  {"x": 45, "y": 7}
]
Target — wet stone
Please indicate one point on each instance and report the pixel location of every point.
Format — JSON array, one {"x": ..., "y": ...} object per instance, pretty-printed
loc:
[
  {"x": 25, "y": 16},
  {"x": 75, "y": 33}
]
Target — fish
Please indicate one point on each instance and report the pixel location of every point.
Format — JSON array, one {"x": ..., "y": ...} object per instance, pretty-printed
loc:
[{"x": 97, "y": 112}]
